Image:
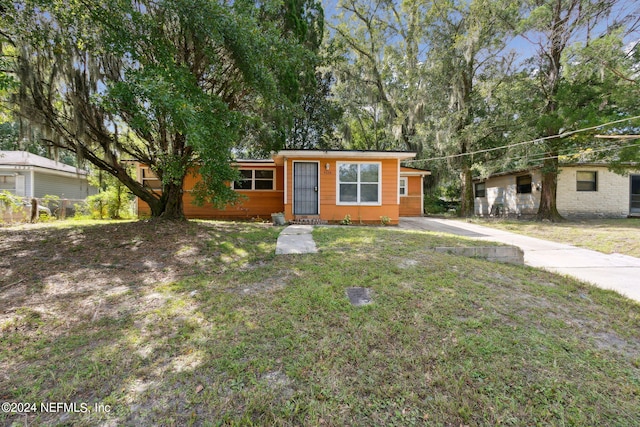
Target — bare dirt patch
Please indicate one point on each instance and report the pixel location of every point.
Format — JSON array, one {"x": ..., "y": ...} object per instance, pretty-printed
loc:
[{"x": 80, "y": 272}]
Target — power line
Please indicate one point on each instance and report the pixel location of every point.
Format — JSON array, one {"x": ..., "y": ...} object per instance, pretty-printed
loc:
[
  {"x": 569, "y": 153},
  {"x": 562, "y": 135},
  {"x": 566, "y": 153},
  {"x": 544, "y": 157}
]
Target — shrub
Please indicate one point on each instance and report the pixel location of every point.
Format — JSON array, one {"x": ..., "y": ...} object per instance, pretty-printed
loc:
[
  {"x": 434, "y": 205},
  {"x": 10, "y": 204}
]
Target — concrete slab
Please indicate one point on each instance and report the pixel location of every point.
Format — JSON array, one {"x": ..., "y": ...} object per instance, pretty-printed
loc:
[
  {"x": 296, "y": 239},
  {"x": 359, "y": 296},
  {"x": 609, "y": 271},
  {"x": 437, "y": 227},
  {"x": 297, "y": 229},
  {"x": 509, "y": 254}
]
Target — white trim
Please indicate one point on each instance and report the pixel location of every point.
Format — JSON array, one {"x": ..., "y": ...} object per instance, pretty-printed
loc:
[
  {"x": 346, "y": 154},
  {"x": 422, "y": 195},
  {"x": 32, "y": 185},
  {"x": 358, "y": 183},
  {"x": 293, "y": 202},
  {"x": 250, "y": 162},
  {"x": 23, "y": 160},
  {"x": 398, "y": 181},
  {"x": 18, "y": 186},
  {"x": 406, "y": 187},
  {"x": 286, "y": 186},
  {"x": 417, "y": 173},
  {"x": 20, "y": 168}
]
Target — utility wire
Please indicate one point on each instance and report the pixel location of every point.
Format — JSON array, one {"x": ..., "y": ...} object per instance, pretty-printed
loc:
[
  {"x": 566, "y": 153},
  {"x": 537, "y": 159},
  {"x": 562, "y": 135},
  {"x": 569, "y": 153}
]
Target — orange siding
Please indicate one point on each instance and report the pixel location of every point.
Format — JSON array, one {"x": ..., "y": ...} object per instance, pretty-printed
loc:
[
  {"x": 143, "y": 209},
  {"x": 254, "y": 203},
  {"x": 262, "y": 203},
  {"x": 411, "y": 204},
  {"x": 414, "y": 184},
  {"x": 330, "y": 211}
]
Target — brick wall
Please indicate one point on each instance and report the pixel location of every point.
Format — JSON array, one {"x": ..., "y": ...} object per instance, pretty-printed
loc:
[
  {"x": 611, "y": 199},
  {"x": 501, "y": 190}
]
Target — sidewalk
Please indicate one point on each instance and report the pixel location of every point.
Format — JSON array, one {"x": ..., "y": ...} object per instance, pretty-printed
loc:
[
  {"x": 296, "y": 239},
  {"x": 615, "y": 271}
]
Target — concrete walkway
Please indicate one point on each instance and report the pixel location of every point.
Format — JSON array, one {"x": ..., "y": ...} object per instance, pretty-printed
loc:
[
  {"x": 618, "y": 272},
  {"x": 296, "y": 239}
]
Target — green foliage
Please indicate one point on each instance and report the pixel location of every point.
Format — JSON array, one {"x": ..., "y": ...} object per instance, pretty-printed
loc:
[
  {"x": 443, "y": 199},
  {"x": 81, "y": 211},
  {"x": 315, "y": 121},
  {"x": 175, "y": 85},
  {"x": 434, "y": 204},
  {"x": 113, "y": 200},
  {"x": 51, "y": 201},
  {"x": 385, "y": 220},
  {"x": 10, "y": 200},
  {"x": 422, "y": 76},
  {"x": 346, "y": 220},
  {"x": 571, "y": 90},
  {"x": 10, "y": 204},
  {"x": 8, "y": 136},
  {"x": 380, "y": 83}
]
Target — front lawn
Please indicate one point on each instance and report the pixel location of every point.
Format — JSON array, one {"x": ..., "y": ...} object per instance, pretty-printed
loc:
[
  {"x": 201, "y": 324},
  {"x": 603, "y": 235}
]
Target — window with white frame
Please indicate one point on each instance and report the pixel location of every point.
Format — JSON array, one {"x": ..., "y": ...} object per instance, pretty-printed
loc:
[
  {"x": 586, "y": 181},
  {"x": 359, "y": 183},
  {"x": 403, "y": 186},
  {"x": 255, "y": 179},
  {"x": 8, "y": 182}
]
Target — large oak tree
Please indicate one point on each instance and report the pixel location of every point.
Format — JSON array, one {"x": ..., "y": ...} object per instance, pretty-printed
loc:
[
  {"x": 565, "y": 102},
  {"x": 173, "y": 84}
]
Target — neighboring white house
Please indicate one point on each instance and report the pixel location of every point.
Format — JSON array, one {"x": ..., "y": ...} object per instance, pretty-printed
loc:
[
  {"x": 28, "y": 175},
  {"x": 584, "y": 190}
]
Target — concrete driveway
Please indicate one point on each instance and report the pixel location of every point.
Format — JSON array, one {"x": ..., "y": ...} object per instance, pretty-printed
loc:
[{"x": 618, "y": 272}]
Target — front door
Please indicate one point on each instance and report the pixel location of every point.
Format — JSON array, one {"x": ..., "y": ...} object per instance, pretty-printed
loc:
[
  {"x": 305, "y": 188},
  {"x": 634, "y": 202}
]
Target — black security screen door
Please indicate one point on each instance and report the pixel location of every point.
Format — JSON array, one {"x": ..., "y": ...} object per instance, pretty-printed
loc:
[
  {"x": 635, "y": 194},
  {"x": 305, "y": 188}
]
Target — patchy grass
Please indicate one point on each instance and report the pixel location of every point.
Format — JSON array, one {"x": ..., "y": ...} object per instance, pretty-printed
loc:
[
  {"x": 200, "y": 323},
  {"x": 603, "y": 235}
]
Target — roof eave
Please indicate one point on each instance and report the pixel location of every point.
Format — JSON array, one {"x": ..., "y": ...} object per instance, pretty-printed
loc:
[{"x": 282, "y": 155}]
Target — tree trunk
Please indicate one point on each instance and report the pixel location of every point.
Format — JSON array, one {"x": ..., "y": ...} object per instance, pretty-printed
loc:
[
  {"x": 547, "y": 210},
  {"x": 172, "y": 204},
  {"x": 466, "y": 202}
]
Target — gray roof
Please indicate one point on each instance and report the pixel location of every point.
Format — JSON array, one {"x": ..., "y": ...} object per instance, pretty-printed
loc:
[{"x": 24, "y": 158}]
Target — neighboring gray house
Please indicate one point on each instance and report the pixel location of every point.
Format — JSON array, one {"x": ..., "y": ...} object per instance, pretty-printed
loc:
[
  {"x": 587, "y": 190},
  {"x": 29, "y": 175}
]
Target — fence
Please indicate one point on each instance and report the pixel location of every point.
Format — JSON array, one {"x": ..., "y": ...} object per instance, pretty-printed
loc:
[{"x": 19, "y": 209}]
